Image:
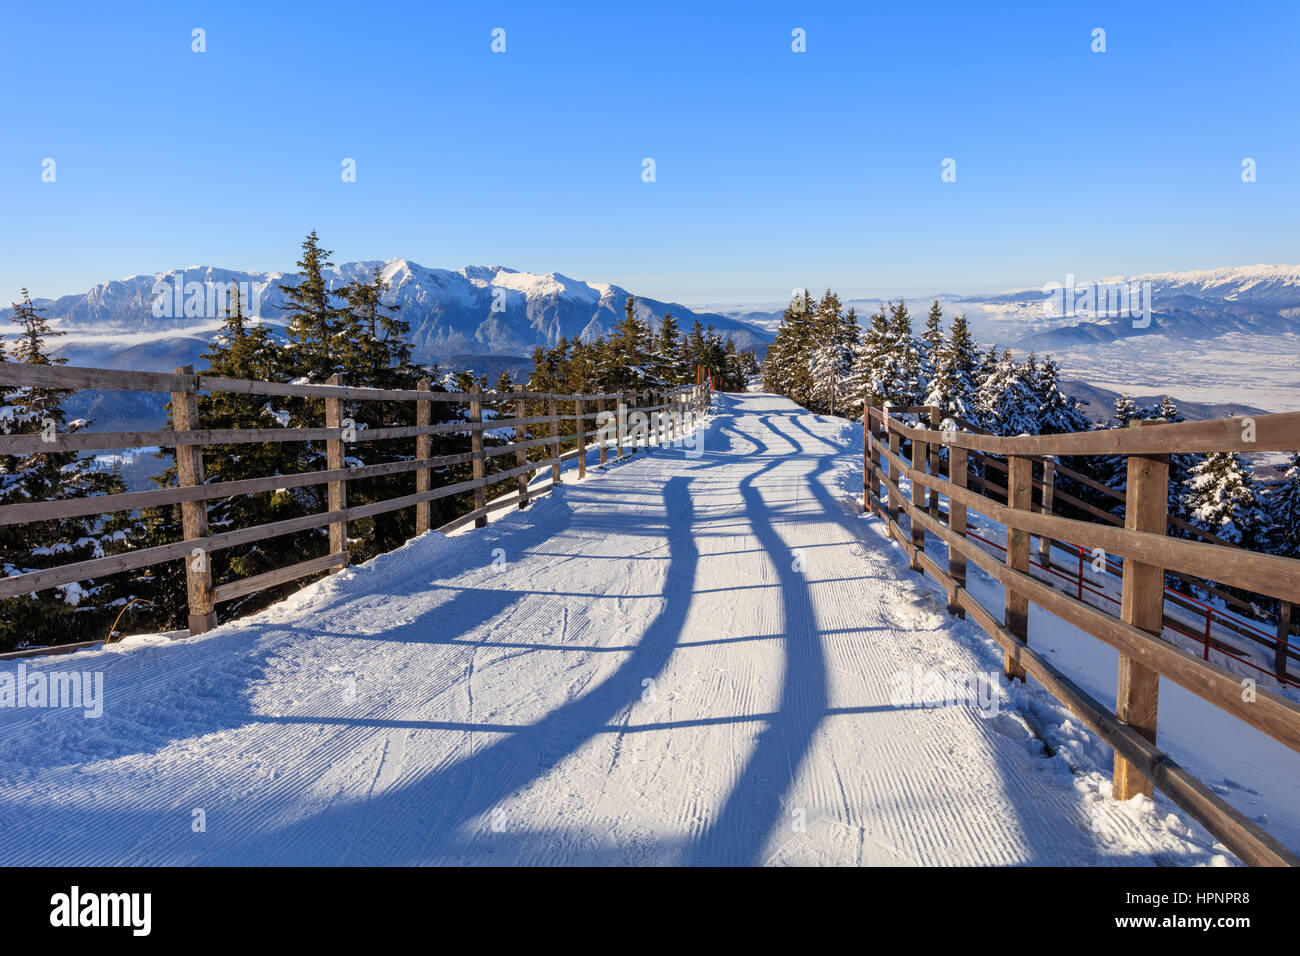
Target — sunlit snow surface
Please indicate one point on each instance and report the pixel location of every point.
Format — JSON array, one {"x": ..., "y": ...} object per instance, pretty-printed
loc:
[{"x": 678, "y": 660}]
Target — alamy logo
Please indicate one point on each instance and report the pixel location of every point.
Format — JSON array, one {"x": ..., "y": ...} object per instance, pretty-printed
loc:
[
  {"x": 75, "y": 908},
  {"x": 918, "y": 688},
  {"x": 204, "y": 300},
  {"x": 74, "y": 689},
  {"x": 1116, "y": 300}
]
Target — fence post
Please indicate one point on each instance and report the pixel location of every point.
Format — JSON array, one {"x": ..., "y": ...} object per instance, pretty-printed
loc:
[
  {"x": 870, "y": 460},
  {"x": 521, "y": 455},
  {"x": 635, "y": 435},
  {"x": 600, "y": 431},
  {"x": 423, "y": 418},
  {"x": 919, "y": 455},
  {"x": 957, "y": 521},
  {"x": 476, "y": 447},
  {"x": 622, "y": 422},
  {"x": 554, "y": 413},
  {"x": 336, "y": 491},
  {"x": 1284, "y": 613},
  {"x": 580, "y": 409},
  {"x": 1142, "y": 602},
  {"x": 935, "y": 419},
  {"x": 893, "y": 474},
  {"x": 1020, "y": 486},
  {"x": 1049, "y": 489},
  {"x": 194, "y": 514}
]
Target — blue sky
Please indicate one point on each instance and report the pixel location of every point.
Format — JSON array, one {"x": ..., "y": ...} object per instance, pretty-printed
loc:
[{"x": 774, "y": 169}]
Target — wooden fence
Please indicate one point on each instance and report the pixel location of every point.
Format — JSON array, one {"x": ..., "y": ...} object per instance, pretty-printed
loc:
[
  {"x": 1147, "y": 552},
  {"x": 664, "y": 415}
]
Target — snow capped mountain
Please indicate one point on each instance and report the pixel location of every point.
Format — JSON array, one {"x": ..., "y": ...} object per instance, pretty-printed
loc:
[
  {"x": 1262, "y": 299},
  {"x": 1278, "y": 285},
  {"x": 158, "y": 321}
]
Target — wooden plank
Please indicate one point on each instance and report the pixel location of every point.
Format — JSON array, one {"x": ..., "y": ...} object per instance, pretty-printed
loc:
[
  {"x": 555, "y": 445},
  {"x": 1016, "y": 617},
  {"x": 1242, "y": 836},
  {"x": 934, "y": 463},
  {"x": 895, "y": 494},
  {"x": 622, "y": 424},
  {"x": 1049, "y": 487},
  {"x": 494, "y": 504},
  {"x": 1269, "y": 713},
  {"x": 582, "y": 443},
  {"x": 52, "y": 649},
  {"x": 600, "y": 411},
  {"x": 336, "y": 491},
  {"x": 1277, "y": 432},
  {"x": 521, "y": 455},
  {"x": 870, "y": 463},
  {"x": 130, "y": 560},
  {"x": 957, "y": 520},
  {"x": 1283, "y": 639},
  {"x": 194, "y": 514},
  {"x": 270, "y": 579},
  {"x": 918, "y": 499},
  {"x": 1142, "y": 605},
  {"x": 1268, "y": 574},
  {"x": 423, "y": 477},
  {"x": 109, "y": 379},
  {"x": 106, "y": 504},
  {"x": 476, "y": 449}
]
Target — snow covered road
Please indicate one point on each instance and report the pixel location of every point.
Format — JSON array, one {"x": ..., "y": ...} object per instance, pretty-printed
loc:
[{"x": 677, "y": 660}]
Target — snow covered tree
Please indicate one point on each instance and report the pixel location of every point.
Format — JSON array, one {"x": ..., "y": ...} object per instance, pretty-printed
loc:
[
  {"x": 954, "y": 379},
  {"x": 1283, "y": 501},
  {"x": 786, "y": 368},
  {"x": 930, "y": 348},
  {"x": 1058, "y": 413},
  {"x": 830, "y": 356},
  {"x": 1223, "y": 499},
  {"x": 907, "y": 386},
  {"x": 1007, "y": 398}
]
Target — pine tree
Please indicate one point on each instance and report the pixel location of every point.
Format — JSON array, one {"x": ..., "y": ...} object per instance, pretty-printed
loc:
[
  {"x": 830, "y": 358},
  {"x": 70, "y": 612},
  {"x": 1283, "y": 502},
  {"x": 954, "y": 385},
  {"x": 1224, "y": 499},
  {"x": 628, "y": 361},
  {"x": 868, "y": 378},
  {"x": 1181, "y": 467},
  {"x": 314, "y": 320},
  {"x": 1058, "y": 413},
  {"x": 930, "y": 348},
  {"x": 1008, "y": 403}
]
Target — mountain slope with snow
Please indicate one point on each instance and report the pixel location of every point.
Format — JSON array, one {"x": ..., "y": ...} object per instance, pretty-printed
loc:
[{"x": 479, "y": 310}]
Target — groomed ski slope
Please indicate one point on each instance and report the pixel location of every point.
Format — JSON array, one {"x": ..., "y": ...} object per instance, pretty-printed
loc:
[{"x": 675, "y": 661}]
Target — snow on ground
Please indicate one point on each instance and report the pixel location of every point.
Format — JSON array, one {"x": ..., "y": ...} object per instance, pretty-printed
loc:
[{"x": 677, "y": 660}]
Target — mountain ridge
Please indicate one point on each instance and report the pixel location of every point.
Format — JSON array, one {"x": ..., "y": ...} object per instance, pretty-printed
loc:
[{"x": 477, "y": 310}]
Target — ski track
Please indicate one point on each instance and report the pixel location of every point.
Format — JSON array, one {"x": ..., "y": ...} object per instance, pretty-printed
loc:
[{"x": 430, "y": 708}]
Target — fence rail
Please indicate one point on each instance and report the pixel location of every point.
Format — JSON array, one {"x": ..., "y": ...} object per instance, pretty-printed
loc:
[
  {"x": 635, "y": 417},
  {"x": 1148, "y": 554}
]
